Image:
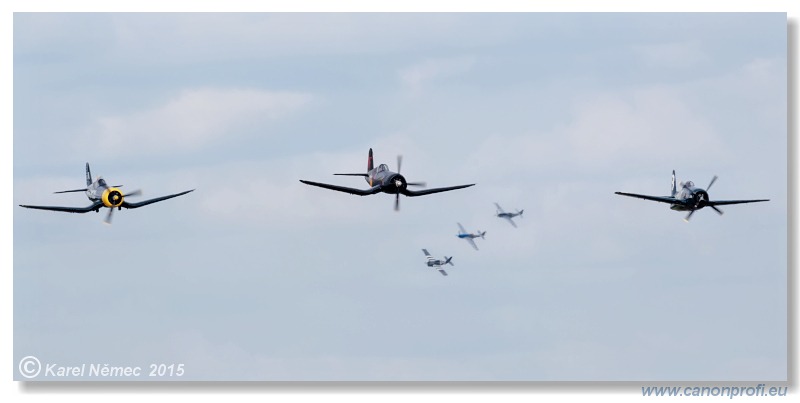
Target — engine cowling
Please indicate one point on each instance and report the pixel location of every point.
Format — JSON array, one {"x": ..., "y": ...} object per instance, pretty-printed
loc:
[
  {"x": 399, "y": 182},
  {"x": 700, "y": 198},
  {"x": 112, "y": 197}
]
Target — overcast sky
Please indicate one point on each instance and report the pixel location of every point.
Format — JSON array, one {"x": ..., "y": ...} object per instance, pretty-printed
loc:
[{"x": 255, "y": 276}]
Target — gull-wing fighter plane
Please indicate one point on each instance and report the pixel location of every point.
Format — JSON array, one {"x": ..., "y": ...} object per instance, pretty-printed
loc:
[
  {"x": 508, "y": 216},
  {"x": 437, "y": 263},
  {"x": 101, "y": 195},
  {"x": 381, "y": 179},
  {"x": 690, "y": 198},
  {"x": 463, "y": 234}
]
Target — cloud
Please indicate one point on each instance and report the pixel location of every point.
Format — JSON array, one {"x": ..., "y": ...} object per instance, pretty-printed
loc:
[
  {"x": 193, "y": 120},
  {"x": 415, "y": 77},
  {"x": 652, "y": 124},
  {"x": 606, "y": 131},
  {"x": 675, "y": 55}
]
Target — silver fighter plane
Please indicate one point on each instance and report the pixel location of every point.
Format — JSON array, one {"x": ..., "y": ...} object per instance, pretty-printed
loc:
[
  {"x": 690, "y": 198},
  {"x": 437, "y": 263},
  {"x": 101, "y": 195}
]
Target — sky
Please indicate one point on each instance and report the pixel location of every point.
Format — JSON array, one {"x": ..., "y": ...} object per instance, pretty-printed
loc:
[{"x": 255, "y": 276}]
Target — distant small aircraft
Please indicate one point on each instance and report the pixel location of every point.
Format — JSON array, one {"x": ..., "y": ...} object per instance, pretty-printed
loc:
[
  {"x": 381, "y": 179},
  {"x": 463, "y": 234},
  {"x": 102, "y": 195},
  {"x": 508, "y": 216},
  {"x": 436, "y": 263},
  {"x": 690, "y": 198}
]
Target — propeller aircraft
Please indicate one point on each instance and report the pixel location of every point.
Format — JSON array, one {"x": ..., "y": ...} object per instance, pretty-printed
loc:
[
  {"x": 437, "y": 263},
  {"x": 381, "y": 179},
  {"x": 508, "y": 216},
  {"x": 690, "y": 198},
  {"x": 463, "y": 234},
  {"x": 101, "y": 195}
]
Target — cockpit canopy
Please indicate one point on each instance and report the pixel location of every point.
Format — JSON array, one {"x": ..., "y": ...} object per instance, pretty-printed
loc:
[
  {"x": 688, "y": 184},
  {"x": 101, "y": 182},
  {"x": 382, "y": 168}
]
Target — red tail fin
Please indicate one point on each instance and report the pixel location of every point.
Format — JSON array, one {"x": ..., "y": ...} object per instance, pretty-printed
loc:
[{"x": 369, "y": 161}]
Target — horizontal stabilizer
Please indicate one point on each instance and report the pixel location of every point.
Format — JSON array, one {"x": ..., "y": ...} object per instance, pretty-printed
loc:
[{"x": 70, "y": 191}]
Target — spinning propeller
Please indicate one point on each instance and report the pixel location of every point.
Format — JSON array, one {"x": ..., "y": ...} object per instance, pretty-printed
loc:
[
  {"x": 702, "y": 199},
  {"x": 116, "y": 196},
  {"x": 400, "y": 182}
]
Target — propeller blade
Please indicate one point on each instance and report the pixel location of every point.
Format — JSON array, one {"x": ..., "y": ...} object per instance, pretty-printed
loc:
[
  {"x": 716, "y": 209},
  {"x": 421, "y": 184},
  {"x": 714, "y": 179},
  {"x": 109, "y": 215},
  {"x": 136, "y": 192},
  {"x": 397, "y": 202},
  {"x": 689, "y": 216},
  {"x": 399, "y": 162}
]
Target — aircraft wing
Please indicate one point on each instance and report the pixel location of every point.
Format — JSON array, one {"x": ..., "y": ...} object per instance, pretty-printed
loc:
[
  {"x": 472, "y": 242},
  {"x": 93, "y": 207},
  {"x": 358, "y": 192},
  {"x": 151, "y": 201},
  {"x": 444, "y": 273},
  {"x": 413, "y": 193},
  {"x": 724, "y": 202},
  {"x": 425, "y": 251},
  {"x": 461, "y": 227},
  {"x": 499, "y": 209},
  {"x": 662, "y": 199},
  {"x": 511, "y": 221}
]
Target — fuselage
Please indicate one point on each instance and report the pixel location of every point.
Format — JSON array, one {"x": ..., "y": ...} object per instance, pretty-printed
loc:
[
  {"x": 100, "y": 191},
  {"x": 507, "y": 215},
  {"x": 691, "y": 198},
  {"x": 390, "y": 182}
]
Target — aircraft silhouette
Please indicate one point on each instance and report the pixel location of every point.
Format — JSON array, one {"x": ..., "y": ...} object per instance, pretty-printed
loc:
[
  {"x": 690, "y": 198},
  {"x": 102, "y": 195},
  {"x": 463, "y": 234},
  {"x": 381, "y": 179},
  {"x": 438, "y": 263},
  {"x": 508, "y": 216}
]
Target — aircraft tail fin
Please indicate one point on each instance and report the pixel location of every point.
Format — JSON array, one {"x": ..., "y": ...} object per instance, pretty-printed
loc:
[
  {"x": 674, "y": 188},
  {"x": 520, "y": 212},
  {"x": 448, "y": 260},
  {"x": 88, "y": 175},
  {"x": 369, "y": 161},
  {"x": 482, "y": 234}
]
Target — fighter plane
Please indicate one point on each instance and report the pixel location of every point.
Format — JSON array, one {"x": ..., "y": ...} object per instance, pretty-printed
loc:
[
  {"x": 463, "y": 234},
  {"x": 508, "y": 216},
  {"x": 101, "y": 195},
  {"x": 436, "y": 263},
  {"x": 381, "y": 179},
  {"x": 690, "y": 198}
]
